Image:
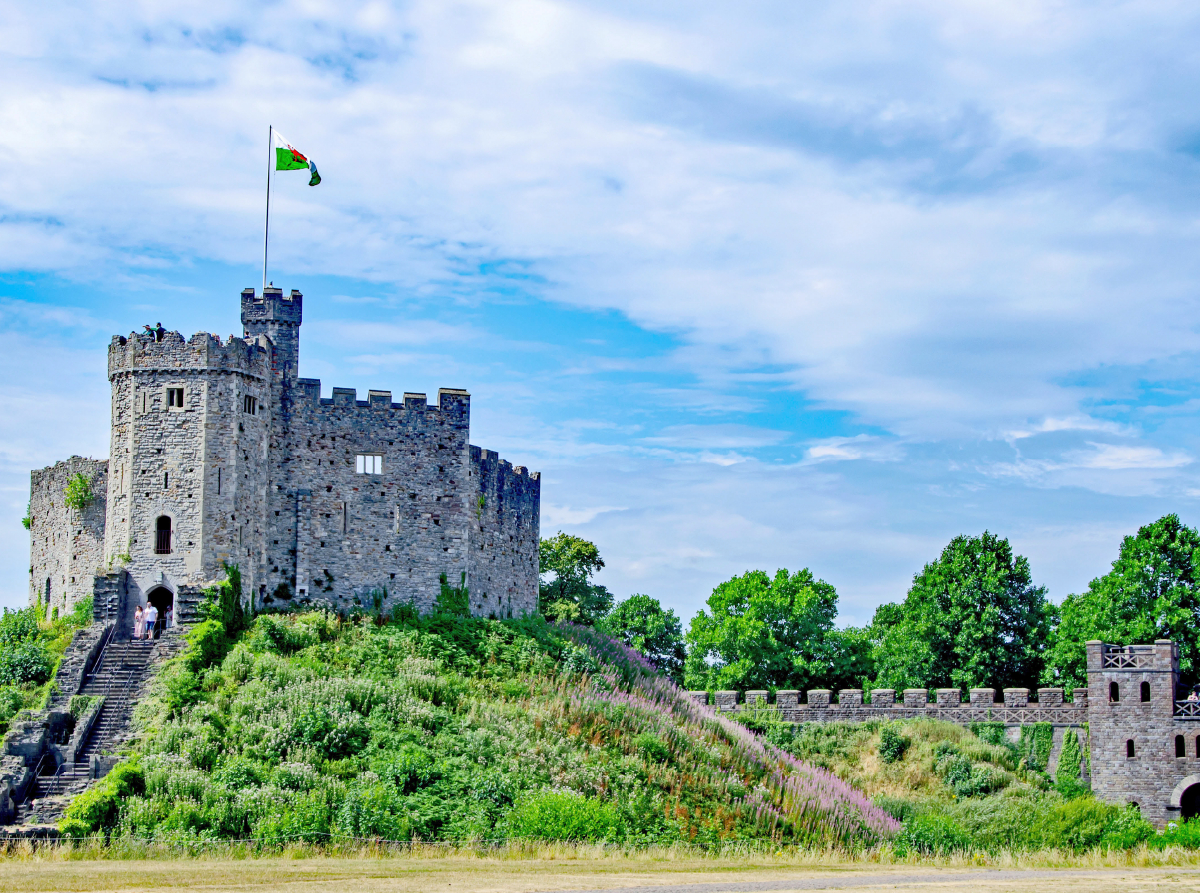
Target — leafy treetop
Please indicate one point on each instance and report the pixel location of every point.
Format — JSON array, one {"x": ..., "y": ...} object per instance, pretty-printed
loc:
[
  {"x": 642, "y": 623},
  {"x": 569, "y": 594},
  {"x": 971, "y": 618},
  {"x": 1152, "y": 592},
  {"x": 763, "y": 632}
]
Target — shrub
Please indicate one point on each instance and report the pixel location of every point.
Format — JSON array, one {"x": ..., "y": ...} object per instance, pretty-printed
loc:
[
  {"x": 1012, "y": 820},
  {"x": 931, "y": 834},
  {"x": 1127, "y": 829},
  {"x": 78, "y": 493},
  {"x": 1183, "y": 834},
  {"x": 98, "y": 807},
  {"x": 555, "y": 815},
  {"x": 892, "y": 744},
  {"x": 652, "y": 747},
  {"x": 26, "y": 663},
  {"x": 897, "y": 807},
  {"x": 1078, "y": 824},
  {"x": 374, "y": 810}
]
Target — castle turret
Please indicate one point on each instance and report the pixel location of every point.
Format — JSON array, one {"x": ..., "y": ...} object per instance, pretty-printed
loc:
[{"x": 278, "y": 317}]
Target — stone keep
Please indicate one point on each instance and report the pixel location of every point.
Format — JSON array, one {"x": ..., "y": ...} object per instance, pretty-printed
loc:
[{"x": 221, "y": 453}]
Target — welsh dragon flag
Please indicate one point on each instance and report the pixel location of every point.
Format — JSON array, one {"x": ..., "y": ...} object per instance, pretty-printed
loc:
[{"x": 288, "y": 159}]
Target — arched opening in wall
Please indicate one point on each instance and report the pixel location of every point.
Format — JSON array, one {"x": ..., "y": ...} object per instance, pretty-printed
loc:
[
  {"x": 162, "y": 536},
  {"x": 1189, "y": 803},
  {"x": 1114, "y": 692},
  {"x": 162, "y": 598},
  {"x": 1129, "y": 748},
  {"x": 1145, "y": 691},
  {"x": 1180, "y": 746},
  {"x": 47, "y": 590}
]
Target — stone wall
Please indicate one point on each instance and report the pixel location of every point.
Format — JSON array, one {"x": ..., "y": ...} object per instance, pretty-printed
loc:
[
  {"x": 66, "y": 546},
  {"x": 503, "y": 575},
  {"x": 1016, "y": 708},
  {"x": 341, "y": 533}
]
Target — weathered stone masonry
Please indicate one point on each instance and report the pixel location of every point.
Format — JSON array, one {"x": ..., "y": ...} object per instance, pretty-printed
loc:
[
  {"x": 221, "y": 453},
  {"x": 1144, "y": 739}
]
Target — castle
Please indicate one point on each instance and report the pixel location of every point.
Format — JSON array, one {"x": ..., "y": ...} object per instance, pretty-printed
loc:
[
  {"x": 222, "y": 455},
  {"x": 1142, "y": 739}
]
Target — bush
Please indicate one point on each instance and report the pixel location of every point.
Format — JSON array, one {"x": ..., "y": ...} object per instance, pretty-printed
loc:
[
  {"x": 98, "y": 807},
  {"x": 1079, "y": 824},
  {"x": 554, "y": 815},
  {"x": 892, "y": 744},
  {"x": 898, "y": 808},
  {"x": 652, "y": 747},
  {"x": 1182, "y": 834},
  {"x": 931, "y": 834},
  {"x": 1127, "y": 829},
  {"x": 26, "y": 663}
]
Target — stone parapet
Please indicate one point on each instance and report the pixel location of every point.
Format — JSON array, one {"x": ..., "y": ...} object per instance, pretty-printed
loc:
[{"x": 949, "y": 706}]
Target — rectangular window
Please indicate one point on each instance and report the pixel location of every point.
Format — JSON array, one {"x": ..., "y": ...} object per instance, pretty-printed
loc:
[
  {"x": 175, "y": 398},
  {"x": 249, "y": 404},
  {"x": 367, "y": 464}
]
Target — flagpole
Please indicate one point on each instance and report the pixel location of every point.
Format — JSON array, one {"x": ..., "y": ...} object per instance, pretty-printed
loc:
[{"x": 267, "y": 224}]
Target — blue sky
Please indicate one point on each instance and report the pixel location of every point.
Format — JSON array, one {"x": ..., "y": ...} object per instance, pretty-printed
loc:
[{"x": 753, "y": 285}]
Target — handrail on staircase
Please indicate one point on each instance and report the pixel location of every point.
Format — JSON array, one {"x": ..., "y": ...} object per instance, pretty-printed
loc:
[{"x": 108, "y": 640}]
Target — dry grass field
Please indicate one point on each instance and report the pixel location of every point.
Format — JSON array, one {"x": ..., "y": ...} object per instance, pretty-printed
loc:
[{"x": 583, "y": 869}]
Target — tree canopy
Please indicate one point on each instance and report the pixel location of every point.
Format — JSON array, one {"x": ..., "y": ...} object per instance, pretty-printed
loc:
[
  {"x": 642, "y": 623},
  {"x": 971, "y": 618},
  {"x": 1150, "y": 593},
  {"x": 569, "y": 593},
  {"x": 763, "y": 632}
]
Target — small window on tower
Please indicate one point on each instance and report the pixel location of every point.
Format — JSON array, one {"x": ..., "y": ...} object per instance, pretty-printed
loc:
[
  {"x": 175, "y": 398},
  {"x": 365, "y": 464},
  {"x": 249, "y": 404}
]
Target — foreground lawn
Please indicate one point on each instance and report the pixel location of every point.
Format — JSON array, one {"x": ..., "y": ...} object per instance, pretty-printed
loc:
[{"x": 565, "y": 868}]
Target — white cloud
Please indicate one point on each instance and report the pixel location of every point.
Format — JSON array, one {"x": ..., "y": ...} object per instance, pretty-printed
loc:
[{"x": 1116, "y": 457}]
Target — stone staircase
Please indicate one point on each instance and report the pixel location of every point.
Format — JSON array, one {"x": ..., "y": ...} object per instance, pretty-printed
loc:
[{"x": 118, "y": 676}]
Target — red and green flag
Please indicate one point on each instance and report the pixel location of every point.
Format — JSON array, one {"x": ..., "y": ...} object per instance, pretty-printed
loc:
[{"x": 289, "y": 159}]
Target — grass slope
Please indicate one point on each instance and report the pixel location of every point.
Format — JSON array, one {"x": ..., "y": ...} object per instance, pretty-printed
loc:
[{"x": 311, "y": 727}]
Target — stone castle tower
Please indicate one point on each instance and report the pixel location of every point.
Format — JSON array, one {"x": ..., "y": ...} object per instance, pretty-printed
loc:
[{"x": 221, "y": 454}]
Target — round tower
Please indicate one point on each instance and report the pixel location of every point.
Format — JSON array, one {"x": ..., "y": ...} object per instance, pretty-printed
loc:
[{"x": 188, "y": 469}]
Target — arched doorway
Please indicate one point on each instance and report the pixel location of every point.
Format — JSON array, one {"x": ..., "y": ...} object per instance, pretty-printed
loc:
[
  {"x": 162, "y": 598},
  {"x": 1189, "y": 803}
]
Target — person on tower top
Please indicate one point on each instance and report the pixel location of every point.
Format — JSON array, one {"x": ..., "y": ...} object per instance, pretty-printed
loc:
[{"x": 159, "y": 331}]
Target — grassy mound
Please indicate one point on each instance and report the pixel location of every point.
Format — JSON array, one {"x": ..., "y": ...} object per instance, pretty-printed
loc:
[{"x": 310, "y": 727}]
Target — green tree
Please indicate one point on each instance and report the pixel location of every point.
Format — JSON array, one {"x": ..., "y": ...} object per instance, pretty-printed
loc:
[
  {"x": 569, "y": 594},
  {"x": 1152, "y": 592},
  {"x": 761, "y": 632},
  {"x": 971, "y": 618},
  {"x": 642, "y": 623}
]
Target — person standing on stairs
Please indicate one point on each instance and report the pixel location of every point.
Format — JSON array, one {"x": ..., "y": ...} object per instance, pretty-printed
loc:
[
  {"x": 139, "y": 623},
  {"x": 151, "y": 620}
]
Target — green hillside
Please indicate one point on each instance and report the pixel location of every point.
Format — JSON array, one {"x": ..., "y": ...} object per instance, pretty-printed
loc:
[{"x": 445, "y": 727}]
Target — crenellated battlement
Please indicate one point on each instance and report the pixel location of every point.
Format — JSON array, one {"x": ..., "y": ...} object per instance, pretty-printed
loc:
[
  {"x": 273, "y": 306},
  {"x": 449, "y": 400},
  {"x": 202, "y": 352},
  {"x": 947, "y": 704}
]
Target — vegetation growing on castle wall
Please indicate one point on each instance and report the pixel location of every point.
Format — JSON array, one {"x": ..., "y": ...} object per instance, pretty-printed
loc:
[{"x": 78, "y": 493}]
